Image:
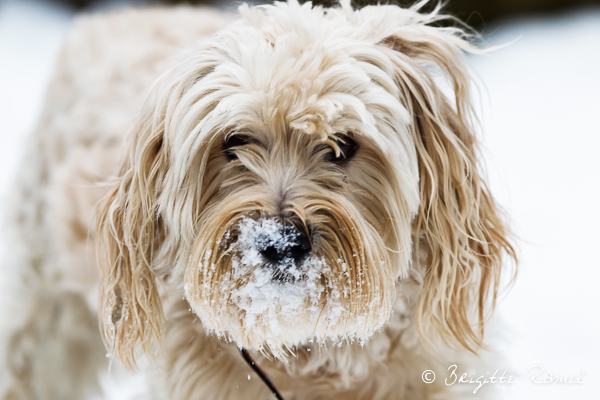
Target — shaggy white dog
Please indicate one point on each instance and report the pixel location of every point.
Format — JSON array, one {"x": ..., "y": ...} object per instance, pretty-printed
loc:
[{"x": 297, "y": 184}]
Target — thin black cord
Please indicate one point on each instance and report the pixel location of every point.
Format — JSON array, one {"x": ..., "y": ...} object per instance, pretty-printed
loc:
[{"x": 260, "y": 373}]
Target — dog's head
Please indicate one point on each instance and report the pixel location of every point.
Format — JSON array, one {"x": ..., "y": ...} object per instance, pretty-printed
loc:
[{"x": 283, "y": 173}]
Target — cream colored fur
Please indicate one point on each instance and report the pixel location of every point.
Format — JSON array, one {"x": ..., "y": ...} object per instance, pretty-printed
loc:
[{"x": 409, "y": 215}]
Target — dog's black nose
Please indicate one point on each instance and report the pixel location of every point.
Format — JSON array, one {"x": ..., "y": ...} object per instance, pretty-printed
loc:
[{"x": 287, "y": 247}]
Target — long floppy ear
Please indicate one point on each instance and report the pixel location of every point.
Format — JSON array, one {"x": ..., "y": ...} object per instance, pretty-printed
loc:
[
  {"x": 129, "y": 232},
  {"x": 132, "y": 242},
  {"x": 458, "y": 224}
]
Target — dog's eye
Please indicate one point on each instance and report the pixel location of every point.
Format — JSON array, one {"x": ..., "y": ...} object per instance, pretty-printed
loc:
[
  {"x": 347, "y": 147},
  {"x": 232, "y": 143}
]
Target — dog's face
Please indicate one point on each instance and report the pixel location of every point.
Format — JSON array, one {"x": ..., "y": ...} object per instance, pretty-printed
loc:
[{"x": 282, "y": 174}]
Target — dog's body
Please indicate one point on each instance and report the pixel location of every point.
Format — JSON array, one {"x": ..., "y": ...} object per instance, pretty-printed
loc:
[{"x": 103, "y": 76}]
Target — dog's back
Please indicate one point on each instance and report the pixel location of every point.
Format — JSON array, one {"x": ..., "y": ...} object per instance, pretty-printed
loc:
[{"x": 49, "y": 329}]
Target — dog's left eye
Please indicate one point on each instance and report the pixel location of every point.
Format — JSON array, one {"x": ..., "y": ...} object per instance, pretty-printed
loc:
[
  {"x": 347, "y": 147},
  {"x": 232, "y": 143}
]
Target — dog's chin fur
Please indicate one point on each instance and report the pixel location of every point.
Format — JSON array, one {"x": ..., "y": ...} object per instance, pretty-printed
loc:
[{"x": 406, "y": 243}]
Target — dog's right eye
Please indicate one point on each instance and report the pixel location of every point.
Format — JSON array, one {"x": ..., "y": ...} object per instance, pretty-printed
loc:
[{"x": 231, "y": 144}]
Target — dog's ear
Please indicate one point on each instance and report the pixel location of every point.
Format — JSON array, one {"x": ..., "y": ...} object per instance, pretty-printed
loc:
[
  {"x": 459, "y": 226},
  {"x": 132, "y": 243},
  {"x": 129, "y": 231}
]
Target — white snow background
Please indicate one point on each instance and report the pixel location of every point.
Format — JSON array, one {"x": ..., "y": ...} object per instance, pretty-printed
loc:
[{"x": 541, "y": 119}]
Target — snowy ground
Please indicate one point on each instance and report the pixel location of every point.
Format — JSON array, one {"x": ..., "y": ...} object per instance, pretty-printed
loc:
[{"x": 542, "y": 137}]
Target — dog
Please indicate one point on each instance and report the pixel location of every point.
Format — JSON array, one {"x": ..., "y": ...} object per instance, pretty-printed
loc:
[{"x": 302, "y": 183}]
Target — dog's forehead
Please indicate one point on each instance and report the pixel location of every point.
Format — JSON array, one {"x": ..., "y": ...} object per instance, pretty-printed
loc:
[
  {"x": 311, "y": 76},
  {"x": 316, "y": 92}
]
